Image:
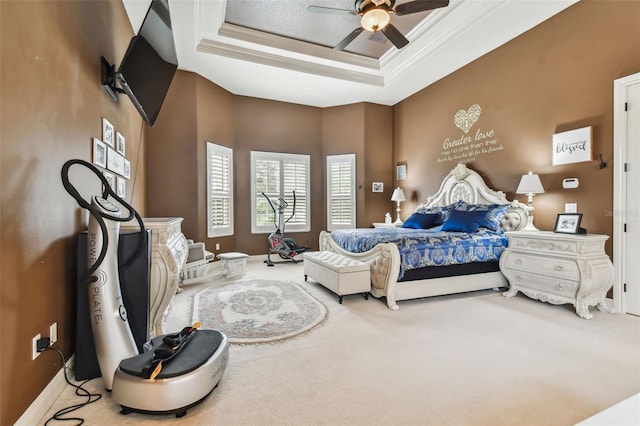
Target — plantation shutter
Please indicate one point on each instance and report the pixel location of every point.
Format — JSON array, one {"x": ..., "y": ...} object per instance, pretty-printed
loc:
[
  {"x": 341, "y": 191},
  {"x": 279, "y": 175},
  {"x": 219, "y": 190}
]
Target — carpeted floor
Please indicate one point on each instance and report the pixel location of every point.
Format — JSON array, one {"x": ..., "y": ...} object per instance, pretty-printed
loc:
[{"x": 472, "y": 359}]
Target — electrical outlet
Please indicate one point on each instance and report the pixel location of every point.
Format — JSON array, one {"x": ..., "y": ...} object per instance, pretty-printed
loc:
[
  {"x": 53, "y": 332},
  {"x": 571, "y": 207},
  {"x": 34, "y": 346},
  {"x": 217, "y": 246}
]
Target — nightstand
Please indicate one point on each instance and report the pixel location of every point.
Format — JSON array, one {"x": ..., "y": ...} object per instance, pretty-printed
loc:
[{"x": 558, "y": 268}]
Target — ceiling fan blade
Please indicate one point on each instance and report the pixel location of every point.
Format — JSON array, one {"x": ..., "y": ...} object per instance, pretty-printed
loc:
[
  {"x": 419, "y": 6},
  {"x": 395, "y": 36},
  {"x": 348, "y": 39},
  {"x": 330, "y": 10}
]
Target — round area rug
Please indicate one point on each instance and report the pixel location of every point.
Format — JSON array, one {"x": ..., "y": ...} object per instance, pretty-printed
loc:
[{"x": 257, "y": 311}]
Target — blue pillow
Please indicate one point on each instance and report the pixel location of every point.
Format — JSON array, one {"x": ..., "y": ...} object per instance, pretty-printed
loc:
[
  {"x": 495, "y": 213},
  {"x": 443, "y": 211},
  {"x": 422, "y": 221},
  {"x": 464, "y": 221}
]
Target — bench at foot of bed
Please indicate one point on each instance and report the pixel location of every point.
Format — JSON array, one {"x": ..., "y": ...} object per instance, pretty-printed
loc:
[{"x": 338, "y": 273}]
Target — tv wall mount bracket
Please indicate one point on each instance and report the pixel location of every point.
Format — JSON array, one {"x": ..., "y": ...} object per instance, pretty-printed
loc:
[{"x": 108, "y": 79}]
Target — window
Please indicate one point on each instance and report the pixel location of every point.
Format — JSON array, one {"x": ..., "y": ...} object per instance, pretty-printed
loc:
[
  {"x": 219, "y": 190},
  {"x": 278, "y": 176},
  {"x": 341, "y": 191}
]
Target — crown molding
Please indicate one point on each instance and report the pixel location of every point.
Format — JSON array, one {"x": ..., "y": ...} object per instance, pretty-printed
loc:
[{"x": 292, "y": 64}]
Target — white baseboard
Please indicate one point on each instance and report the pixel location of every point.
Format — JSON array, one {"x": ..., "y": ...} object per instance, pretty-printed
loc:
[{"x": 46, "y": 399}]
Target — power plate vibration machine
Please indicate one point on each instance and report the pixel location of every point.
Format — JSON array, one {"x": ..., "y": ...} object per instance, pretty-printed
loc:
[{"x": 175, "y": 371}]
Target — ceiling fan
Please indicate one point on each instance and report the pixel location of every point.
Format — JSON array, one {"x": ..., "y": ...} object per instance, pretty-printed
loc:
[{"x": 376, "y": 16}]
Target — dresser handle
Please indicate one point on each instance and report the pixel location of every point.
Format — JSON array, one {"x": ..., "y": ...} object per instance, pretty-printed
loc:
[
  {"x": 559, "y": 286},
  {"x": 558, "y": 268},
  {"x": 518, "y": 261}
]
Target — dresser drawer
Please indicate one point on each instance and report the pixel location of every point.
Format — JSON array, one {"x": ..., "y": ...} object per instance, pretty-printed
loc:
[
  {"x": 560, "y": 268},
  {"x": 548, "y": 285}
]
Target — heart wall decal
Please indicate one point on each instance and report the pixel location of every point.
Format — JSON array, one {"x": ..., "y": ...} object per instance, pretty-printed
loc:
[{"x": 466, "y": 119}]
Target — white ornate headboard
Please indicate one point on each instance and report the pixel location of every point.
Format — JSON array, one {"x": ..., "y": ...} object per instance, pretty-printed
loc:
[{"x": 467, "y": 185}]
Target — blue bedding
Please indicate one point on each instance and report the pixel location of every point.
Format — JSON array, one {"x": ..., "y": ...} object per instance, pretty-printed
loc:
[{"x": 421, "y": 248}]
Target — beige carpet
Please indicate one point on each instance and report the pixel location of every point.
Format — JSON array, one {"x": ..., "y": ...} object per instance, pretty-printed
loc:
[{"x": 474, "y": 359}]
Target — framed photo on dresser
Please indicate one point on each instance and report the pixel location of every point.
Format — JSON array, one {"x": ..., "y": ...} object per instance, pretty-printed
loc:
[{"x": 568, "y": 223}]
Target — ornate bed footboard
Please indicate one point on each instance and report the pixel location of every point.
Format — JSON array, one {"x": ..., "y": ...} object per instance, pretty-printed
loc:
[{"x": 384, "y": 261}]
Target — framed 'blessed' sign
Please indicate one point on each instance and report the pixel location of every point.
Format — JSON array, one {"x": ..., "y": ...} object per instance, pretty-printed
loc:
[{"x": 573, "y": 146}]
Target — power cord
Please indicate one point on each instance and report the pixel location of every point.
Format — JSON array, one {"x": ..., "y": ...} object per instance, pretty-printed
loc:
[{"x": 80, "y": 390}]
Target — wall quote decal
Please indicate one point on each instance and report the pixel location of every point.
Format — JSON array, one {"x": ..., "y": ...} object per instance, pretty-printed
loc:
[{"x": 468, "y": 147}]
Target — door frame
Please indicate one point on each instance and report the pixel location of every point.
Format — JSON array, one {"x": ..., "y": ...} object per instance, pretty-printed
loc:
[{"x": 619, "y": 184}]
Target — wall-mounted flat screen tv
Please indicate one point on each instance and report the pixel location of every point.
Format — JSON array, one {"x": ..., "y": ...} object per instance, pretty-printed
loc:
[{"x": 150, "y": 62}]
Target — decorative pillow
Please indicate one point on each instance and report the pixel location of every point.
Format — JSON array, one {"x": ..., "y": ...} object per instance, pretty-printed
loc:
[
  {"x": 464, "y": 221},
  {"x": 495, "y": 213},
  {"x": 442, "y": 210},
  {"x": 423, "y": 220}
]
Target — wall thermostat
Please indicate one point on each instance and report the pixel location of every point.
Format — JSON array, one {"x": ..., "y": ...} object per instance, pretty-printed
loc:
[{"x": 570, "y": 183}]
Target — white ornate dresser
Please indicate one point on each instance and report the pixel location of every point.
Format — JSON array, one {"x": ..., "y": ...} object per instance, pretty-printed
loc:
[
  {"x": 169, "y": 251},
  {"x": 558, "y": 268}
]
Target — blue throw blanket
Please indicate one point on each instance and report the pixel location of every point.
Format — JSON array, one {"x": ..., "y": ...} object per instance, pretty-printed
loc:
[{"x": 420, "y": 248}]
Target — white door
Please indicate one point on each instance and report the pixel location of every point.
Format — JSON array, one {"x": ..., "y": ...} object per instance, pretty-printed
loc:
[
  {"x": 632, "y": 213},
  {"x": 626, "y": 194}
]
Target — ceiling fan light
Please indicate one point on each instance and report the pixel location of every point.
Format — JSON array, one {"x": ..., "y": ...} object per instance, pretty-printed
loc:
[{"x": 375, "y": 19}]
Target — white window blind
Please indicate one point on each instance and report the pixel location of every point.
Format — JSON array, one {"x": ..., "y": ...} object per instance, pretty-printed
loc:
[
  {"x": 279, "y": 175},
  {"x": 219, "y": 190},
  {"x": 341, "y": 191}
]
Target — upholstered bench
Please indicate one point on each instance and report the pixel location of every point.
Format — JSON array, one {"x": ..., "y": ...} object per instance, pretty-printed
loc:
[
  {"x": 338, "y": 273},
  {"x": 233, "y": 264}
]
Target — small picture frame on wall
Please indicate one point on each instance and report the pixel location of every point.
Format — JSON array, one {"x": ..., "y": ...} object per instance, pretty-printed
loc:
[
  {"x": 121, "y": 188},
  {"x": 111, "y": 178},
  {"x": 127, "y": 169},
  {"x": 569, "y": 223},
  {"x": 120, "y": 143},
  {"x": 115, "y": 162},
  {"x": 107, "y": 132},
  {"x": 377, "y": 187},
  {"x": 401, "y": 171},
  {"x": 99, "y": 153}
]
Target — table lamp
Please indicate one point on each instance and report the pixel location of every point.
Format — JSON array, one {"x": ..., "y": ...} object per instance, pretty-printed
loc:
[
  {"x": 530, "y": 184},
  {"x": 398, "y": 197}
]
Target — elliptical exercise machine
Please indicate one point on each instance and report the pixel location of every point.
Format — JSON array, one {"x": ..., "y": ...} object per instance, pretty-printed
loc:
[
  {"x": 286, "y": 248},
  {"x": 176, "y": 371}
]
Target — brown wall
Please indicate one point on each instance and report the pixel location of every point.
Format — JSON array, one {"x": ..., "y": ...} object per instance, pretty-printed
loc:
[
  {"x": 52, "y": 104},
  {"x": 263, "y": 125},
  {"x": 556, "y": 77},
  {"x": 378, "y": 164},
  {"x": 366, "y": 130},
  {"x": 172, "y": 189},
  {"x": 198, "y": 111},
  {"x": 343, "y": 133},
  {"x": 216, "y": 124}
]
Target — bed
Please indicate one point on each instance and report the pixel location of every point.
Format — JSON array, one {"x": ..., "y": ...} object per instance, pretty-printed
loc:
[{"x": 446, "y": 258}]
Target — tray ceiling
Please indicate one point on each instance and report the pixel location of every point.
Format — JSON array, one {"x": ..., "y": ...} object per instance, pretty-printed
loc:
[{"x": 277, "y": 49}]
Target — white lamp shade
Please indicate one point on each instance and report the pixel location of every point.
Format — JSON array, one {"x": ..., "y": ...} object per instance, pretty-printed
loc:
[
  {"x": 398, "y": 195},
  {"x": 530, "y": 184}
]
